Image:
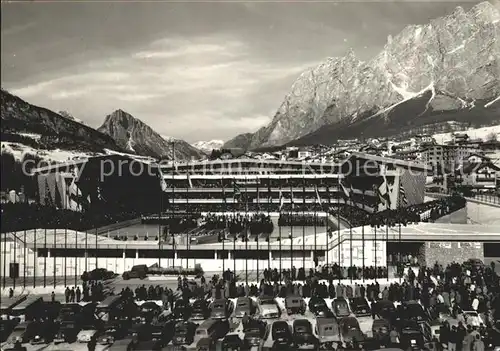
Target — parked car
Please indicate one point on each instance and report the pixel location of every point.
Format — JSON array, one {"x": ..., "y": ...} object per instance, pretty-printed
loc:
[
  {"x": 201, "y": 309},
  {"x": 87, "y": 334},
  {"x": 254, "y": 331},
  {"x": 385, "y": 309},
  {"x": 319, "y": 308},
  {"x": 412, "y": 310},
  {"x": 381, "y": 329},
  {"x": 23, "y": 332},
  {"x": 267, "y": 308},
  {"x": 114, "y": 330},
  {"x": 182, "y": 310},
  {"x": 360, "y": 307},
  {"x": 139, "y": 271},
  {"x": 149, "y": 345},
  {"x": 295, "y": 305},
  {"x": 350, "y": 330},
  {"x": 127, "y": 344},
  {"x": 6, "y": 328},
  {"x": 340, "y": 307},
  {"x": 206, "y": 344},
  {"x": 328, "y": 332},
  {"x": 244, "y": 305},
  {"x": 232, "y": 342},
  {"x": 44, "y": 332},
  {"x": 471, "y": 318},
  {"x": 221, "y": 309},
  {"x": 184, "y": 333},
  {"x": 277, "y": 337},
  {"x": 149, "y": 309},
  {"x": 303, "y": 334},
  {"x": 68, "y": 331}
]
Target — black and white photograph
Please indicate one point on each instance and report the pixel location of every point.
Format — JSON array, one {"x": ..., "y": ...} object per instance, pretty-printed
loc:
[{"x": 263, "y": 175}]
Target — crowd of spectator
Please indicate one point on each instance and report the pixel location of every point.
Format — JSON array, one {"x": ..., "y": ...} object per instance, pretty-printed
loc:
[
  {"x": 424, "y": 212},
  {"x": 299, "y": 219},
  {"x": 24, "y": 216}
]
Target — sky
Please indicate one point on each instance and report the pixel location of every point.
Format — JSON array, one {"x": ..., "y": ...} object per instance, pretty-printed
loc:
[{"x": 195, "y": 71}]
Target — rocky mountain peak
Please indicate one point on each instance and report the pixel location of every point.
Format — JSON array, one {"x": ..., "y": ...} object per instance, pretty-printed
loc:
[
  {"x": 452, "y": 61},
  {"x": 136, "y": 136}
]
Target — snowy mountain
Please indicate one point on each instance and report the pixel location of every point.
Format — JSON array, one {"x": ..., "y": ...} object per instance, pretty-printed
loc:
[
  {"x": 68, "y": 115},
  {"x": 446, "y": 70},
  {"x": 208, "y": 146},
  {"x": 485, "y": 134},
  {"x": 41, "y": 128},
  {"x": 136, "y": 136}
]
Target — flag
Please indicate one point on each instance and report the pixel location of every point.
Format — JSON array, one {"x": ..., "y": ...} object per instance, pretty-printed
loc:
[
  {"x": 282, "y": 200},
  {"x": 383, "y": 193},
  {"x": 189, "y": 180},
  {"x": 347, "y": 192},
  {"x": 236, "y": 189},
  {"x": 318, "y": 198},
  {"x": 403, "y": 201}
]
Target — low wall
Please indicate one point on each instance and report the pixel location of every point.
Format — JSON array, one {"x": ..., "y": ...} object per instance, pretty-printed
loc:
[
  {"x": 457, "y": 217},
  {"x": 115, "y": 226}
]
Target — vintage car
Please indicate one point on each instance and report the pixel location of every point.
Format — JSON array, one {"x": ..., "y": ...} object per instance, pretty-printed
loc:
[
  {"x": 381, "y": 329},
  {"x": 23, "y": 332},
  {"x": 87, "y": 334},
  {"x": 232, "y": 342},
  {"x": 68, "y": 331},
  {"x": 277, "y": 336},
  {"x": 149, "y": 345},
  {"x": 303, "y": 334},
  {"x": 206, "y": 344},
  {"x": 201, "y": 309},
  {"x": 149, "y": 309},
  {"x": 127, "y": 344},
  {"x": 340, "y": 307},
  {"x": 295, "y": 305},
  {"x": 350, "y": 330},
  {"x": 221, "y": 309},
  {"x": 471, "y": 318},
  {"x": 184, "y": 333},
  {"x": 244, "y": 305},
  {"x": 113, "y": 330},
  {"x": 328, "y": 332},
  {"x": 412, "y": 310},
  {"x": 360, "y": 307},
  {"x": 254, "y": 331},
  {"x": 182, "y": 310},
  {"x": 385, "y": 309},
  {"x": 44, "y": 332},
  {"x": 268, "y": 308},
  {"x": 319, "y": 308}
]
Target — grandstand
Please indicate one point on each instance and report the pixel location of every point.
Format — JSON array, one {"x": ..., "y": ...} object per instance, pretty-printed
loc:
[{"x": 366, "y": 181}]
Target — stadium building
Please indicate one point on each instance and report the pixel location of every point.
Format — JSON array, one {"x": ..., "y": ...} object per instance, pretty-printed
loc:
[{"x": 244, "y": 215}]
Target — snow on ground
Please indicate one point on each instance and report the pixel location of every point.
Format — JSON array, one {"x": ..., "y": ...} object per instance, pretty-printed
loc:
[
  {"x": 492, "y": 102},
  {"x": 18, "y": 150},
  {"x": 31, "y": 135},
  {"x": 479, "y": 133},
  {"x": 483, "y": 214}
]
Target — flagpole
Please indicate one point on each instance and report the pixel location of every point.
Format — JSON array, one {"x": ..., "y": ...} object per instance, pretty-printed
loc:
[
  {"x": 15, "y": 259},
  {"x": 35, "y": 261},
  {"x": 279, "y": 230},
  {"x": 350, "y": 236},
  {"x": 171, "y": 221},
  {"x": 76, "y": 257},
  {"x": 54, "y": 257},
  {"x": 269, "y": 203},
  {"x": 386, "y": 245},
  {"x": 234, "y": 219},
  {"x": 224, "y": 230},
  {"x": 303, "y": 225},
  {"x": 187, "y": 206},
  {"x": 315, "y": 234},
  {"x": 257, "y": 237},
  {"x": 247, "y": 223},
  {"x": 24, "y": 268},
  {"x": 291, "y": 228},
  {"x": 45, "y": 259},
  {"x": 86, "y": 251},
  {"x": 160, "y": 209},
  {"x": 363, "y": 238}
]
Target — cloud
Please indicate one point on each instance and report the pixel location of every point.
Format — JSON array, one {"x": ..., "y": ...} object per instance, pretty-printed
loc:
[{"x": 194, "y": 89}]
